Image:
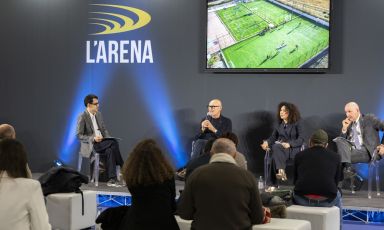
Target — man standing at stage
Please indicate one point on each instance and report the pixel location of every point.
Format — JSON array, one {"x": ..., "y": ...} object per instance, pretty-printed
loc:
[
  {"x": 92, "y": 132},
  {"x": 213, "y": 126},
  {"x": 359, "y": 137}
]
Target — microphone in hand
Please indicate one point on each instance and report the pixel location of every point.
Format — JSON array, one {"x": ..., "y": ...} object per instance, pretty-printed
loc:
[{"x": 208, "y": 116}]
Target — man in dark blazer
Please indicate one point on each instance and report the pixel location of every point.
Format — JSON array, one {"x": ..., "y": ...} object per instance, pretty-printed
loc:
[
  {"x": 359, "y": 136},
  {"x": 92, "y": 132}
]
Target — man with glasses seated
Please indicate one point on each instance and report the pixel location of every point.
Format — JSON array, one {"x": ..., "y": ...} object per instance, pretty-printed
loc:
[
  {"x": 213, "y": 126},
  {"x": 92, "y": 132}
]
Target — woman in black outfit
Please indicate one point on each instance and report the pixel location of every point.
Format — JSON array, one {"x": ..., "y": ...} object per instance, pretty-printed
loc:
[
  {"x": 150, "y": 180},
  {"x": 285, "y": 141}
]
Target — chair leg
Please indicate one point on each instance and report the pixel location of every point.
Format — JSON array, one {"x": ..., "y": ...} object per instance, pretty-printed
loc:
[
  {"x": 353, "y": 185},
  {"x": 79, "y": 162},
  {"x": 118, "y": 172},
  {"x": 266, "y": 168},
  {"x": 370, "y": 175},
  {"x": 96, "y": 169},
  {"x": 377, "y": 178}
]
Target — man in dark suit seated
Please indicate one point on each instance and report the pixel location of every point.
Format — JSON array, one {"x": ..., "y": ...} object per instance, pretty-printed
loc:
[
  {"x": 213, "y": 126},
  {"x": 92, "y": 132},
  {"x": 359, "y": 137}
]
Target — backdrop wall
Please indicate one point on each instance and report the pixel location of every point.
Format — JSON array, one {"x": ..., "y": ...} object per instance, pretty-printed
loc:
[{"x": 44, "y": 77}]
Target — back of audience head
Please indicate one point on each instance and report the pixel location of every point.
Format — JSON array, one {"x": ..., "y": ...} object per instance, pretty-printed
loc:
[
  {"x": 224, "y": 145},
  {"x": 231, "y": 136},
  {"x": 319, "y": 138},
  {"x": 208, "y": 146},
  {"x": 146, "y": 165},
  {"x": 13, "y": 158},
  {"x": 7, "y": 131}
]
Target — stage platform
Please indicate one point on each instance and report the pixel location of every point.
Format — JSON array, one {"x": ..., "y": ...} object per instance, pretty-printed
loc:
[{"x": 356, "y": 207}]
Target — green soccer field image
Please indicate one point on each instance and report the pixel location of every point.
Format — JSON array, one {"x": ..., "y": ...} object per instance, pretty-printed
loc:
[{"x": 267, "y": 35}]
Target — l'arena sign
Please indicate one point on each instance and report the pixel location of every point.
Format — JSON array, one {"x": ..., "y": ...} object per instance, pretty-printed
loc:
[{"x": 115, "y": 19}]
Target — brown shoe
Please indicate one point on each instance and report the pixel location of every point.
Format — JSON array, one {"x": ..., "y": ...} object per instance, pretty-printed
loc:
[{"x": 281, "y": 175}]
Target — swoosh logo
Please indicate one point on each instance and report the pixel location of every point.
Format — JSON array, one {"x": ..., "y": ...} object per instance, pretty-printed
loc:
[{"x": 107, "y": 20}]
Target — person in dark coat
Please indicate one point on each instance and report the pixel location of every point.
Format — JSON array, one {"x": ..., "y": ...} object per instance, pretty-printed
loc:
[
  {"x": 150, "y": 180},
  {"x": 285, "y": 141}
]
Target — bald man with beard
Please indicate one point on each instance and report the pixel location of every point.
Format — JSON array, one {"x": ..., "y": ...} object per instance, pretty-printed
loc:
[{"x": 359, "y": 136}]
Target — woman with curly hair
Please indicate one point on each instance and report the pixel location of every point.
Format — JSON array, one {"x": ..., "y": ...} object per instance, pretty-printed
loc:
[
  {"x": 150, "y": 180},
  {"x": 285, "y": 141}
]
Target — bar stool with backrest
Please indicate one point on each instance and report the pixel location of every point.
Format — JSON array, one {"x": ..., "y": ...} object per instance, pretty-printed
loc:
[
  {"x": 373, "y": 168},
  {"x": 95, "y": 159}
]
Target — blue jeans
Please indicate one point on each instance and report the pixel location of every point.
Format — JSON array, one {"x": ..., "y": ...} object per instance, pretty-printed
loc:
[{"x": 299, "y": 200}]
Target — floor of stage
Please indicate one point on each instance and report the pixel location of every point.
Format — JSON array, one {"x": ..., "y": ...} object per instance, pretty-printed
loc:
[{"x": 350, "y": 201}]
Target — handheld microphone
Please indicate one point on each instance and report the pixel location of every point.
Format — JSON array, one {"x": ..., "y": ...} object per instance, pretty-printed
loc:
[{"x": 208, "y": 116}]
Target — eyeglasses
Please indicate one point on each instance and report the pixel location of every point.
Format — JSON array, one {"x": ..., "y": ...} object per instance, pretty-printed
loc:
[
  {"x": 97, "y": 103},
  {"x": 213, "y": 106}
]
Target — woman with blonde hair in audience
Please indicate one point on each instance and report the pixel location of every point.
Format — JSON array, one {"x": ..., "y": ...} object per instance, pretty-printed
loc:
[{"x": 22, "y": 202}]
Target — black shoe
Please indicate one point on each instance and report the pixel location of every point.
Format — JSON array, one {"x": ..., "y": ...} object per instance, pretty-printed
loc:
[{"x": 111, "y": 182}]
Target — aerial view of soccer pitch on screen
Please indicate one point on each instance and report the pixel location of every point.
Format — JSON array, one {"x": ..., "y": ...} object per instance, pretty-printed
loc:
[{"x": 262, "y": 35}]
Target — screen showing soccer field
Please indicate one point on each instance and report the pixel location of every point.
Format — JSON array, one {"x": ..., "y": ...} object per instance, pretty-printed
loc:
[{"x": 268, "y": 35}]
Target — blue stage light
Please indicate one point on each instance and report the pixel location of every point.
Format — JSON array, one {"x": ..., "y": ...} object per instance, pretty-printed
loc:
[
  {"x": 151, "y": 83},
  {"x": 94, "y": 79}
]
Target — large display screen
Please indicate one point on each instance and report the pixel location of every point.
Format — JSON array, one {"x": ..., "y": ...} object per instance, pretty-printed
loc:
[{"x": 268, "y": 35}]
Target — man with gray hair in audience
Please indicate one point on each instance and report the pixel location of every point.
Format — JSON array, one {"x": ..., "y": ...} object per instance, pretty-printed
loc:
[
  {"x": 7, "y": 131},
  {"x": 222, "y": 195}
]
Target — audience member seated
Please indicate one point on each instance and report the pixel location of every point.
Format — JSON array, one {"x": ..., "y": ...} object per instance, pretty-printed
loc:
[
  {"x": 206, "y": 156},
  {"x": 213, "y": 125},
  {"x": 149, "y": 178},
  {"x": 240, "y": 159},
  {"x": 221, "y": 195},
  {"x": 285, "y": 141},
  {"x": 359, "y": 137},
  {"x": 203, "y": 159},
  {"x": 92, "y": 133},
  {"x": 22, "y": 202},
  {"x": 317, "y": 172},
  {"x": 7, "y": 131}
]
